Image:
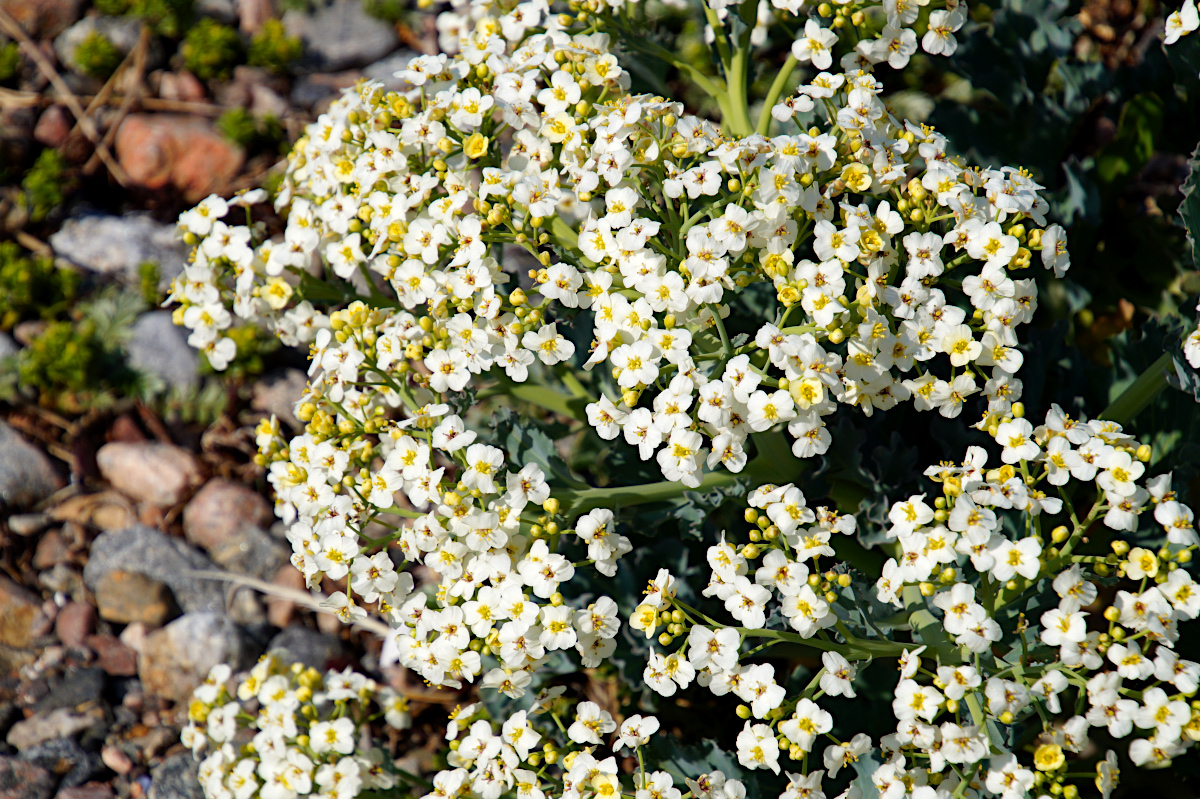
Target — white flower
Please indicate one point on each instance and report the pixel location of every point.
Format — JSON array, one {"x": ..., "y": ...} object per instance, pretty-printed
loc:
[
  {"x": 636, "y": 731},
  {"x": 757, "y": 748},
  {"x": 807, "y": 721},
  {"x": 590, "y": 723}
]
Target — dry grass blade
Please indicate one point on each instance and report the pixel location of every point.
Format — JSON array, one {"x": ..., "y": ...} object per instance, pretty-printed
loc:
[{"x": 311, "y": 601}]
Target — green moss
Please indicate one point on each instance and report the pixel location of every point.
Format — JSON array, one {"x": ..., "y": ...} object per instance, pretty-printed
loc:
[
  {"x": 97, "y": 57},
  {"x": 211, "y": 50},
  {"x": 32, "y": 286},
  {"x": 386, "y": 10},
  {"x": 240, "y": 126},
  {"x": 10, "y": 61},
  {"x": 271, "y": 48},
  {"x": 45, "y": 185}
]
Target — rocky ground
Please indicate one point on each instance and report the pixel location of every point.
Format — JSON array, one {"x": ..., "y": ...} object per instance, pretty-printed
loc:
[{"x": 115, "y": 515}]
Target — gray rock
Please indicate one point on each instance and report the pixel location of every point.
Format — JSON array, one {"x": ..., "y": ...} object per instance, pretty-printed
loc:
[
  {"x": 21, "y": 780},
  {"x": 250, "y": 550},
  {"x": 76, "y": 687},
  {"x": 302, "y": 645},
  {"x": 341, "y": 35},
  {"x": 175, "y": 778},
  {"x": 118, "y": 245},
  {"x": 27, "y": 475},
  {"x": 8, "y": 346},
  {"x": 176, "y": 659},
  {"x": 147, "y": 551},
  {"x": 66, "y": 757},
  {"x": 57, "y": 724},
  {"x": 159, "y": 347},
  {"x": 385, "y": 70},
  {"x": 121, "y": 31}
]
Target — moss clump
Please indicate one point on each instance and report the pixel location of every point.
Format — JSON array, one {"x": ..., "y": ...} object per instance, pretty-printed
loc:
[
  {"x": 10, "y": 61},
  {"x": 46, "y": 185},
  {"x": 32, "y": 286},
  {"x": 211, "y": 50},
  {"x": 271, "y": 48},
  {"x": 97, "y": 57},
  {"x": 252, "y": 133}
]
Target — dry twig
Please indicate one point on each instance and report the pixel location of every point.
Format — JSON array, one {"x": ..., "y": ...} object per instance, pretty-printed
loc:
[{"x": 10, "y": 27}]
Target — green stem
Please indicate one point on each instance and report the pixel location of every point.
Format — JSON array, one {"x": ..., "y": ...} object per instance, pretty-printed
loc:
[
  {"x": 777, "y": 85},
  {"x": 1140, "y": 393}
]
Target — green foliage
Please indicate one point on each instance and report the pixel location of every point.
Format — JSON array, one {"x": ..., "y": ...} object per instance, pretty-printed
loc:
[
  {"x": 1189, "y": 209},
  {"x": 97, "y": 57},
  {"x": 386, "y": 10},
  {"x": 45, "y": 185},
  {"x": 32, "y": 286},
  {"x": 166, "y": 17},
  {"x": 272, "y": 49},
  {"x": 10, "y": 61},
  {"x": 251, "y": 132},
  {"x": 211, "y": 50}
]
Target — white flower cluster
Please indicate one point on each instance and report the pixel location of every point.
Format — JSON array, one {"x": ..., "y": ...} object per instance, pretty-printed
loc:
[
  {"x": 882, "y": 31},
  {"x": 286, "y": 731},
  {"x": 488, "y": 760},
  {"x": 651, "y": 220},
  {"x": 967, "y": 561}
]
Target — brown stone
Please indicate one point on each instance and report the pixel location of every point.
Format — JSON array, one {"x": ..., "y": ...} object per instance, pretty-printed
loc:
[
  {"x": 107, "y": 510},
  {"x": 157, "y": 474},
  {"x": 128, "y": 597},
  {"x": 74, "y": 623},
  {"x": 51, "y": 551},
  {"x": 171, "y": 151},
  {"x": 21, "y": 616},
  {"x": 113, "y": 656},
  {"x": 219, "y": 509},
  {"x": 43, "y": 19}
]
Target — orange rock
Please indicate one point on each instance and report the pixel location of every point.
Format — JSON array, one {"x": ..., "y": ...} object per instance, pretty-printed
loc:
[{"x": 162, "y": 151}]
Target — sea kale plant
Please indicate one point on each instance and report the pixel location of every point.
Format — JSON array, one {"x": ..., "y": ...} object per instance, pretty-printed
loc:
[{"x": 661, "y": 310}]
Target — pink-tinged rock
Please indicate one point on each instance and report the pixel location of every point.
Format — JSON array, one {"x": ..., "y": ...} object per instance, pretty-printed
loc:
[
  {"x": 53, "y": 126},
  {"x": 157, "y": 474},
  {"x": 74, "y": 623},
  {"x": 161, "y": 151},
  {"x": 220, "y": 509}
]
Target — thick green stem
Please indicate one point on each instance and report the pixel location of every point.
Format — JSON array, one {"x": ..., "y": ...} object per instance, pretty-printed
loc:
[
  {"x": 1140, "y": 393},
  {"x": 737, "y": 83}
]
